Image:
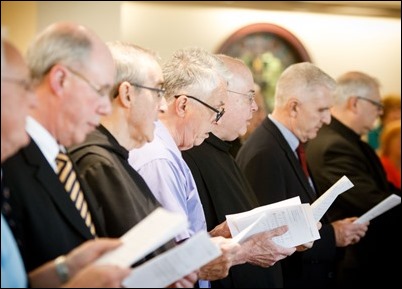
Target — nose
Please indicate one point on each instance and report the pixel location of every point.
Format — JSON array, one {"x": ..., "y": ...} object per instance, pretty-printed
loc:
[
  {"x": 327, "y": 117},
  {"x": 254, "y": 106},
  {"x": 105, "y": 106}
]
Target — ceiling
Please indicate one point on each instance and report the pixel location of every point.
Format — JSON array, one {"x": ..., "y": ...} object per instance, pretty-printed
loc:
[{"x": 358, "y": 8}]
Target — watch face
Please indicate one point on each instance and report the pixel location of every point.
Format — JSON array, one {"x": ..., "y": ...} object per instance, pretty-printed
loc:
[{"x": 267, "y": 49}]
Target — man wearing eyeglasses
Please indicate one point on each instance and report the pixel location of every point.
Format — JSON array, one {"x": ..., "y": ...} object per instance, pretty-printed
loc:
[
  {"x": 137, "y": 98},
  {"x": 339, "y": 150},
  {"x": 17, "y": 98},
  {"x": 72, "y": 72},
  {"x": 195, "y": 82},
  {"x": 224, "y": 189}
]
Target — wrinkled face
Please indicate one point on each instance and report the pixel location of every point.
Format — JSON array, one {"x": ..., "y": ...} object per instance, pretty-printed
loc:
[
  {"x": 17, "y": 98},
  {"x": 368, "y": 109},
  {"x": 200, "y": 119},
  {"x": 85, "y": 97},
  {"x": 308, "y": 116},
  {"x": 147, "y": 103},
  {"x": 240, "y": 105}
]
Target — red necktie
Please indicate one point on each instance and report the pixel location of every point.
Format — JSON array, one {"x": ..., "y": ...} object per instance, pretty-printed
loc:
[{"x": 302, "y": 158}]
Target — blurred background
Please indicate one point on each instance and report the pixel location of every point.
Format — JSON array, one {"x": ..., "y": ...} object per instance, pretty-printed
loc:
[{"x": 336, "y": 36}]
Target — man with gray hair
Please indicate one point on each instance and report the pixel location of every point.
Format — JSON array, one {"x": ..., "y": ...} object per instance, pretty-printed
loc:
[
  {"x": 72, "y": 72},
  {"x": 17, "y": 98},
  {"x": 272, "y": 160},
  {"x": 338, "y": 150}
]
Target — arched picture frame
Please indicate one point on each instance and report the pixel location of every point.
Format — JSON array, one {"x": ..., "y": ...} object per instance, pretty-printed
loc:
[{"x": 267, "y": 49}]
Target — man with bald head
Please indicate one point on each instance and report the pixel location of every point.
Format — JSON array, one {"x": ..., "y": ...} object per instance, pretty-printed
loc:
[
  {"x": 224, "y": 190},
  {"x": 72, "y": 71},
  {"x": 17, "y": 98}
]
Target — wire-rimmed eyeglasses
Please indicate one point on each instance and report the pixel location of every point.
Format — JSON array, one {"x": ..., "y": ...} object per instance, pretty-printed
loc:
[
  {"x": 219, "y": 114},
  {"x": 378, "y": 104},
  {"x": 250, "y": 95},
  {"x": 101, "y": 90},
  {"x": 160, "y": 91},
  {"x": 25, "y": 84}
]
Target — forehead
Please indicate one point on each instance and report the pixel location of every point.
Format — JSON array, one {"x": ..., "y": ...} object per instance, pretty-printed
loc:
[{"x": 320, "y": 97}]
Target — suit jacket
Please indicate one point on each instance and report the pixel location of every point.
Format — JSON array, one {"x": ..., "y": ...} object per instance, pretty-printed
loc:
[
  {"x": 47, "y": 223},
  {"x": 338, "y": 151},
  {"x": 275, "y": 174}
]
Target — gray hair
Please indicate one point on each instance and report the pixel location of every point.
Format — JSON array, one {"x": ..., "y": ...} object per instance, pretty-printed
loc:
[
  {"x": 131, "y": 63},
  {"x": 58, "y": 44},
  {"x": 355, "y": 83},
  {"x": 298, "y": 80},
  {"x": 194, "y": 71}
]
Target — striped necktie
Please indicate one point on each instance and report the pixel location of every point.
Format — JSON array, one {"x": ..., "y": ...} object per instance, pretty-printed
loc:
[{"x": 69, "y": 179}]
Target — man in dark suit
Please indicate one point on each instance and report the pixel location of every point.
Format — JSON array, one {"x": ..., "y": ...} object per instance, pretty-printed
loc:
[
  {"x": 270, "y": 162},
  {"x": 337, "y": 150},
  {"x": 73, "y": 72}
]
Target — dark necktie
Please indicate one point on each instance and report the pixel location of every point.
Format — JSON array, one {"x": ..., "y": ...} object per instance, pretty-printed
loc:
[
  {"x": 69, "y": 179},
  {"x": 302, "y": 158}
]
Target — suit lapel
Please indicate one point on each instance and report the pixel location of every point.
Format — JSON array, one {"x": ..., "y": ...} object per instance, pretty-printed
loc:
[
  {"x": 291, "y": 158},
  {"x": 50, "y": 183}
]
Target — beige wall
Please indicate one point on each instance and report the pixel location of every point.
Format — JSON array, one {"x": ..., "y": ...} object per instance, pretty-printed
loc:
[
  {"x": 335, "y": 43},
  {"x": 20, "y": 20}
]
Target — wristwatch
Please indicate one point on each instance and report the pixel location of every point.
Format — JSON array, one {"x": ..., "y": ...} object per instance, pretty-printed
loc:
[{"x": 62, "y": 269}]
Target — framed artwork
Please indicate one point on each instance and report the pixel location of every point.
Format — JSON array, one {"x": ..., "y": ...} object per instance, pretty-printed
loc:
[{"x": 267, "y": 49}]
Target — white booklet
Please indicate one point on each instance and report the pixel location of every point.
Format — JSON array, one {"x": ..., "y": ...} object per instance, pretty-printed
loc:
[
  {"x": 321, "y": 205},
  {"x": 238, "y": 222},
  {"x": 385, "y": 205},
  {"x": 174, "y": 264},
  {"x": 148, "y": 235},
  {"x": 302, "y": 228},
  {"x": 301, "y": 218}
]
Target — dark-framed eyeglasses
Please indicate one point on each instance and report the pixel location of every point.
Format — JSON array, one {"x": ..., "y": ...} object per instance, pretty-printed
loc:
[
  {"x": 160, "y": 91},
  {"x": 219, "y": 114},
  {"x": 250, "y": 95},
  {"x": 25, "y": 84},
  {"x": 101, "y": 90},
  {"x": 378, "y": 104}
]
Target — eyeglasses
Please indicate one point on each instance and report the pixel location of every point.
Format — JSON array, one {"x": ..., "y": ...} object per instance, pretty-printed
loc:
[
  {"x": 250, "y": 94},
  {"x": 159, "y": 91},
  {"x": 25, "y": 84},
  {"x": 378, "y": 104},
  {"x": 219, "y": 114},
  {"x": 102, "y": 91}
]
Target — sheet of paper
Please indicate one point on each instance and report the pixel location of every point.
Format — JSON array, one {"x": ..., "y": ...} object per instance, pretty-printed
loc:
[
  {"x": 148, "y": 235},
  {"x": 385, "y": 205},
  {"x": 174, "y": 264},
  {"x": 299, "y": 219},
  {"x": 251, "y": 216},
  {"x": 321, "y": 205}
]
